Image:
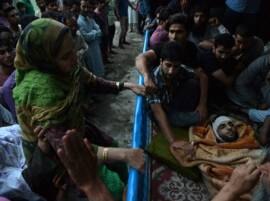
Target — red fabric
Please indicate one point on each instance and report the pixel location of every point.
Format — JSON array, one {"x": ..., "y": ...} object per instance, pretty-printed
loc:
[{"x": 168, "y": 185}]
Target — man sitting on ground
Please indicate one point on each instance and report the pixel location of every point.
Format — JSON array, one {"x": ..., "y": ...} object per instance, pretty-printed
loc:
[
  {"x": 178, "y": 31},
  {"x": 251, "y": 91},
  {"x": 174, "y": 102},
  {"x": 219, "y": 65},
  {"x": 251, "y": 88},
  {"x": 248, "y": 47}
]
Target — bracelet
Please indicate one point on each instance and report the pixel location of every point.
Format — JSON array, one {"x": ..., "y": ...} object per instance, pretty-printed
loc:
[
  {"x": 121, "y": 86},
  {"x": 118, "y": 85},
  {"x": 105, "y": 154}
]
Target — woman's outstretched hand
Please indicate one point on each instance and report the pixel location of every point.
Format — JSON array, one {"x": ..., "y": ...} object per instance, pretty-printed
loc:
[
  {"x": 79, "y": 160},
  {"x": 137, "y": 89},
  {"x": 136, "y": 159}
]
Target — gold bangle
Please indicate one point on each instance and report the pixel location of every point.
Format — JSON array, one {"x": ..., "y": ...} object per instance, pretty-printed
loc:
[{"x": 105, "y": 154}]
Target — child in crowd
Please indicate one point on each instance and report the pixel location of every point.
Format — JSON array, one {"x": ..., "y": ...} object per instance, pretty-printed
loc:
[{"x": 81, "y": 46}]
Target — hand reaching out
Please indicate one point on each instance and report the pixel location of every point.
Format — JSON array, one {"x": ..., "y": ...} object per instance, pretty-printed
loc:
[
  {"x": 135, "y": 158},
  {"x": 242, "y": 180},
  {"x": 187, "y": 147},
  {"x": 137, "y": 89},
  {"x": 43, "y": 143},
  {"x": 79, "y": 160}
]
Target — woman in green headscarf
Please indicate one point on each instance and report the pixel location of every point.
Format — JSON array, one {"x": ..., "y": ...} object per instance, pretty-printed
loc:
[{"x": 51, "y": 91}]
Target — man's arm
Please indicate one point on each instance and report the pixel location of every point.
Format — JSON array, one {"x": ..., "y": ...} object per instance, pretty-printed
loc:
[
  {"x": 202, "y": 107},
  {"x": 143, "y": 64},
  {"x": 222, "y": 77},
  {"x": 163, "y": 122}
]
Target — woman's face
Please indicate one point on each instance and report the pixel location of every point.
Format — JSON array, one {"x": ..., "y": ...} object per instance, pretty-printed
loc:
[
  {"x": 227, "y": 131},
  {"x": 66, "y": 60}
]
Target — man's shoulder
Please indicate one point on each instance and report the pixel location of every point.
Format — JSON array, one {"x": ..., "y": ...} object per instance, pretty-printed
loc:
[{"x": 206, "y": 55}]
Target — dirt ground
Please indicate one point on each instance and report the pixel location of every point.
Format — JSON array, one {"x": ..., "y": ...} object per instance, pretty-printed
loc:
[{"x": 114, "y": 113}]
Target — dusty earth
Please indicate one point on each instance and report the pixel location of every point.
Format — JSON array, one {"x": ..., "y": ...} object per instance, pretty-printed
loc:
[{"x": 114, "y": 113}]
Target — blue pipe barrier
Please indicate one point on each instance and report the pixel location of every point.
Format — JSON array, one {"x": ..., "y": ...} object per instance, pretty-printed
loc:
[{"x": 138, "y": 188}]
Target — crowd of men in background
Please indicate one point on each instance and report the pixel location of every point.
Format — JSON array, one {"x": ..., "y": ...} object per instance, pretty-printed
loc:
[{"x": 203, "y": 54}]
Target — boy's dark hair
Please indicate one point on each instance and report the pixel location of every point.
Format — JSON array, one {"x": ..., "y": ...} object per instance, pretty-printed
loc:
[
  {"x": 172, "y": 51},
  {"x": 244, "y": 31},
  {"x": 226, "y": 40},
  {"x": 178, "y": 18},
  {"x": 164, "y": 14}
]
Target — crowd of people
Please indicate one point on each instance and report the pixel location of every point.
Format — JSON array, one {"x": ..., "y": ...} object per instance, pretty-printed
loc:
[{"x": 204, "y": 58}]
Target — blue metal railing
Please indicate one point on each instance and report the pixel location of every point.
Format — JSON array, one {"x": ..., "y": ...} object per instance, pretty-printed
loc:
[{"x": 139, "y": 183}]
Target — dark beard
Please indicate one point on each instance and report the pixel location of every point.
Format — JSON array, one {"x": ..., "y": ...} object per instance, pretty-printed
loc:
[{"x": 226, "y": 138}]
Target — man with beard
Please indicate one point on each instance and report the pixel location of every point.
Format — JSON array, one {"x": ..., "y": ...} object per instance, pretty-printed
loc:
[
  {"x": 219, "y": 64},
  {"x": 248, "y": 47},
  {"x": 200, "y": 30},
  {"x": 177, "y": 95},
  {"x": 224, "y": 130},
  {"x": 178, "y": 30}
]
